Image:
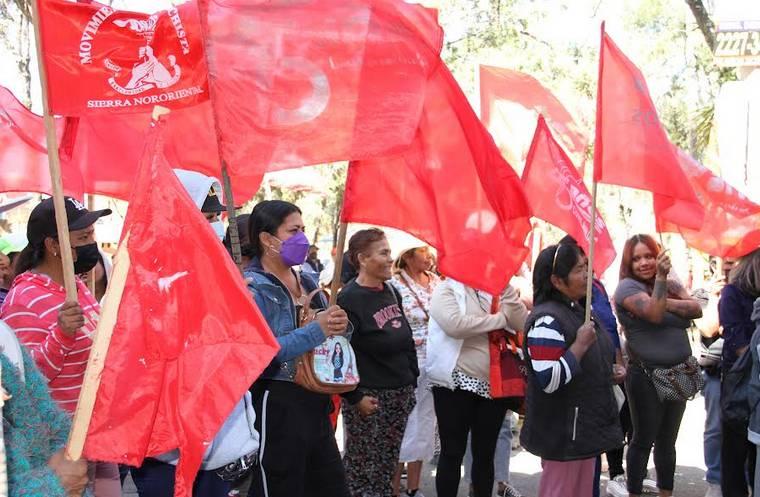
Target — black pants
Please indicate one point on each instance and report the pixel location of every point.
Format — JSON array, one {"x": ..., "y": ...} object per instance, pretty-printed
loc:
[
  {"x": 654, "y": 423},
  {"x": 298, "y": 455},
  {"x": 737, "y": 461},
  {"x": 459, "y": 413},
  {"x": 615, "y": 456},
  {"x": 156, "y": 479}
]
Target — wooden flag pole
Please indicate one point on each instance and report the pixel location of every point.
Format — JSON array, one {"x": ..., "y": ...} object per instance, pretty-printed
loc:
[
  {"x": 591, "y": 251},
  {"x": 339, "y": 249},
  {"x": 61, "y": 220},
  {"x": 226, "y": 181},
  {"x": 83, "y": 414},
  {"x": 231, "y": 216},
  {"x": 3, "y": 461}
]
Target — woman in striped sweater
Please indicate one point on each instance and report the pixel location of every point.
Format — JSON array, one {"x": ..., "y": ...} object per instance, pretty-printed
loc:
[
  {"x": 571, "y": 413},
  {"x": 57, "y": 333}
]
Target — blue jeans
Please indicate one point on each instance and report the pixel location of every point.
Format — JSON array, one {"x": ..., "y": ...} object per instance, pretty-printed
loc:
[
  {"x": 156, "y": 479},
  {"x": 501, "y": 456},
  {"x": 712, "y": 436}
]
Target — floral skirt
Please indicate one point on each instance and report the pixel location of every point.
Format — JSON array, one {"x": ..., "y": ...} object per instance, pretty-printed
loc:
[{"x": 373, "y": 442}]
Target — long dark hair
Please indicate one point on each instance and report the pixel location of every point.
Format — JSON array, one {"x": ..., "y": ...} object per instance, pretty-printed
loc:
[
  {"x": 557, "y": 260},
  {"x": 746, "y": 273},
  {"x": 29, "y": 258},
  {"x": 267, "y": 217}
]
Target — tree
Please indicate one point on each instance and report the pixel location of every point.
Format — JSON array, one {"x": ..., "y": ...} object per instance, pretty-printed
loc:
[{"x": 703, "y": 21}]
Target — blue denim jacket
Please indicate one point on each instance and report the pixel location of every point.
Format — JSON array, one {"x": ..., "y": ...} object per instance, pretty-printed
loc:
[{"x": 277, "y": 307}]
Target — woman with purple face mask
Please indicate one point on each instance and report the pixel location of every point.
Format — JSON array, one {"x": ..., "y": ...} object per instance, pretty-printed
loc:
[{"x": 298, "y": 453}]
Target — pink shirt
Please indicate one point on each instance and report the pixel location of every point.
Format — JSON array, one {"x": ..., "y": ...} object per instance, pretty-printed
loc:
[{"x": 31, "y": 309}]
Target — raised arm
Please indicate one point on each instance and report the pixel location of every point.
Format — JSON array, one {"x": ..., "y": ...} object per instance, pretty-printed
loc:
[
  {"x": 684, "y": 305},
  {"x": 652, "y": 308}
]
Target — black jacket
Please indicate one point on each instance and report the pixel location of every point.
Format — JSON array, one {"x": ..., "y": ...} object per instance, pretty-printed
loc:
[{"x": 581, "y": 419}]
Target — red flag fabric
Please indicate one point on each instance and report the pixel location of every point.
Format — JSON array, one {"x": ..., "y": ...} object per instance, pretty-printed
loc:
[
  {"x": 187, "y": 350},
  {"x": 315, "y": 81},
  {"x": 450, "y": 188},
  {"x": 23, "y": 152},
  {"x": 101, "y": 154},
  {"x": 101, "y": 60},
  {"x": 631, "y": 146},
  {"x": 523, "y": 96},
  {"x": 732, "y": 221},
  {"x": 559, "y": 196},
  {"x": 90, "y": 142}
]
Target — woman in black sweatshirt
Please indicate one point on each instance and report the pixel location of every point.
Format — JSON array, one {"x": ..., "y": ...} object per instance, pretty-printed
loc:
[{"x": 375, "y": 414}]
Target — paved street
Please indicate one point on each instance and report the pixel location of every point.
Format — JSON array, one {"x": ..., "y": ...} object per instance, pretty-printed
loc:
[{"x": 526, "y": 468}]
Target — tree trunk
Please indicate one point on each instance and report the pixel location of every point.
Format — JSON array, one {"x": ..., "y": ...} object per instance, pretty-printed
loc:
[
  {"x": 703, "y": 21},
  {"x": 23, "y": 61}
]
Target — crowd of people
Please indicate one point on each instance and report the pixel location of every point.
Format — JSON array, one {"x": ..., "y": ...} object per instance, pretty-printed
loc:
[{"x": 422, "y": 348}]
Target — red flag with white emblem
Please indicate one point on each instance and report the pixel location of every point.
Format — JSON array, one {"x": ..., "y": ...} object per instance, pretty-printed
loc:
[
  {"x": 99, "y": 59},
  {"x": 559, "y": 196}
]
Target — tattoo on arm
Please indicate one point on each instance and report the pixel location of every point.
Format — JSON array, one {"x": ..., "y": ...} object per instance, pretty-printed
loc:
[
  {"x": 640, "y": 304},
  {"x": 660, "y": 290}
]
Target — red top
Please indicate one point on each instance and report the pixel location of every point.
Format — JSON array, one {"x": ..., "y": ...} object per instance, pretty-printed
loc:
[{"x": 31, "y": 309}]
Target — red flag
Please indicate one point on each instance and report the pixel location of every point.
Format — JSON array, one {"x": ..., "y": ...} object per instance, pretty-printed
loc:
[
  {"x": 631, "y": 146},
  {"x": 451, "y": 188},
  {"x": 524, "y": 98},
  {"x": 732, "y": 221},
  {"x": 107, "y": 149},
  {"x": 315, "y": 81},
  {"x": 187, "y": 350},
  {"x": 23, "y": 152},
  {"x": 559, "y": 196},
  {"x": 103, "y": 60}
]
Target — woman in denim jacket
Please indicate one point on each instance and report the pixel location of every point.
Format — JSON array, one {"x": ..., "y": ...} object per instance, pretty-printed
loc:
[{"x": 298, "y": 454}]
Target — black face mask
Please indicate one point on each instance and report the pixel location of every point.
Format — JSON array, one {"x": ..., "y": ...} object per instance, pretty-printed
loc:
[{"x": 87, "y": 258}]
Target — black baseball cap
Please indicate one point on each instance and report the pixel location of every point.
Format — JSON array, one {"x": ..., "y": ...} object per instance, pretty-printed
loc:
[
  {"x": 42, "y": 219},
  {"x": 212, "y": 203}
]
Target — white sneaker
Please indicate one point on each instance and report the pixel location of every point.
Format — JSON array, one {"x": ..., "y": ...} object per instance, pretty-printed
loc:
[
  {"x": 713, "y": 490},
  {"x": 418, "y": 493},
  {"x": 508, "y": 490},
  {"x": 617, "y": 487},
  {"x": 650, "y": 487}
]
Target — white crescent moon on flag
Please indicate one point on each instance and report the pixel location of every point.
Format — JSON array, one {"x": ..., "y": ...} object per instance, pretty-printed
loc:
[{"x": 310, "y": 107}]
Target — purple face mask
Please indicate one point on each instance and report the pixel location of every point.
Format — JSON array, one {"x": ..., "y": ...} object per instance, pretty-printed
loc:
[{"x": 293, "y": 251}]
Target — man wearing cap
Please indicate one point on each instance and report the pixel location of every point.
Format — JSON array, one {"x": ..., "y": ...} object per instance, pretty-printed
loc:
[
  {"x": 234, "y": 447},
  {"x": 206, "y": 193},
  {"x": 58, "y": 333}
]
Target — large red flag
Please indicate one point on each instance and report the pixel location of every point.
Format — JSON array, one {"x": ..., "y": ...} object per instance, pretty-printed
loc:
[
  {"x": 510, "y": 102},
  {"x": 188, "y": 340},
  {"x": 103, "y": 60},
  {"x": 107, "y": 149},
  {"x": 732, "y": 221},
  {"x": 314, "y": 81},
  {"x": 23, "y": 152},
  {"x": 631, "y": 146},
  {"x": 451, "y": 188},
  {"x": 559, "y": 196}
]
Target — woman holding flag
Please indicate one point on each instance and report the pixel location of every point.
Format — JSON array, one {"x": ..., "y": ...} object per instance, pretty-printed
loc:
[
  {"x": 571, "y": 414},
  {"x": 298, "y": 455},
  {"x": 655, "y": 313},
  {"x": 58, "y": 333}
]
